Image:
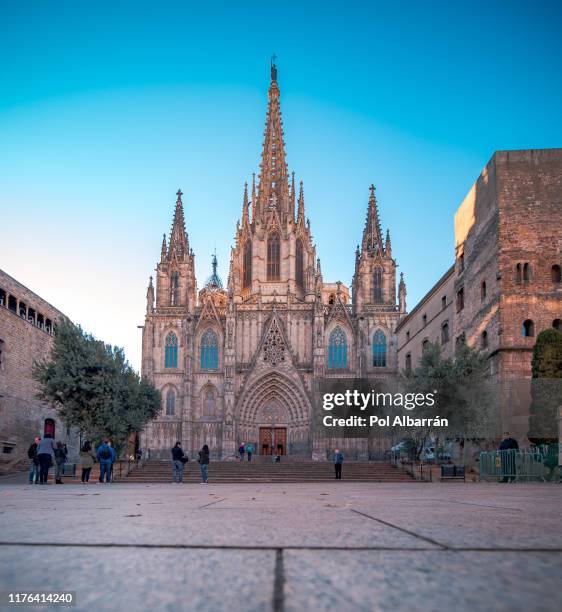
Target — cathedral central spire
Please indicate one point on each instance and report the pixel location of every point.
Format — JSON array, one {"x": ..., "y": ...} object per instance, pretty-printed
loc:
[
  {"x": 179, "y": 246},
  {"x": 372, "y": 236},
  {"x": 273, "y": 179}
]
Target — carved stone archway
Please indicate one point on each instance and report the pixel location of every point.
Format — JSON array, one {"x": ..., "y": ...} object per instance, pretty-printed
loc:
[{"x": 275, "y": 401}]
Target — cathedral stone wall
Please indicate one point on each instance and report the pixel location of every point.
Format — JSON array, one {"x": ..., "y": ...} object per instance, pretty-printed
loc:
[{"x": 241, "y": 363}]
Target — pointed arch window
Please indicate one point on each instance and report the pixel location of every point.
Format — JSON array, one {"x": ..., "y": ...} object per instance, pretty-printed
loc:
[
  {"x": 210, "y": 403},
  {"x": 247, "y": 265},
  {"x": 273, "y": 257},
  {"x": 209, "y": 350},
  {"x": 175, "y": 289},
  {"x": 171, "y": 351},
  {"x": 337, "y": 349},
  {"x": 379, "y": 349},
  {"x": 377, "y": 286},
  {"x": 170, "y": 402},
  {"x": 299, "y": 265}
]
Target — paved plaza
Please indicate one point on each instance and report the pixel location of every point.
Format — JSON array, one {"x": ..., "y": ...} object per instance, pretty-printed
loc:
[{"x": 249, "y": 547}]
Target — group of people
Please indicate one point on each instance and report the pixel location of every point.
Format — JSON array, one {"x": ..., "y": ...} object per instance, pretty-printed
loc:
[
  {"x": 245, "y": 449},
  {"x": 180, "y": 458},
  {"x": 45, "y": 452}
]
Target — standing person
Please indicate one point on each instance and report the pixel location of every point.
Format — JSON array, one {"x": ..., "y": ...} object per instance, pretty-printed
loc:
[
  {"x": 105, "y": 458},
  {"x": 178, "y": 457},
  {"x": 113, "y": 459},
  {"x": 60, "y": 460},
  {"x": 33, "y": 461},
  {"x": 250, "y": 451},
  {"x": 45, "y": 455},
  {"x": 204, "y": 463},
  {"x": 87, "y": 460},
  {"x": 242, "y": 450},
  {"x": 338, "y": 460},
  {"x": 508, "y": 467}
]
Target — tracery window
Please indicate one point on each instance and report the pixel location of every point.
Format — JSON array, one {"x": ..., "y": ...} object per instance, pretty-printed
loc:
[
  {"x": 209, "y": 350},
  {"x": 273, "y": 257},
  {"x": 377, "y": 286},
  {"x": 171, "y": 351},
  {"x": 299, "y": 265},
  {"x": 337, "y": 349},
  {"x": 247, "y": 265},
  {"x": 170, "y": 402},
  {"x": 379, "y": 349}
]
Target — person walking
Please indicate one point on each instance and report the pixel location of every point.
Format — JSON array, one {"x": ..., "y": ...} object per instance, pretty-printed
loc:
[
  {"x": 249, "y": 451},
  {"x": 113, "y": 459},
  {"x": 33, "y": 461},
  {"x": 60, "y": 460},
  {"x": 178, "y": 463},
  {"x": 87, "y": 460},
  {"x": 204, "y": 464},
  {"x": 105, "y": 456},
  {"x": 338, "y": 460},
  {"x": 242, "y": 450},
  {"x": 45, "y": 455}
]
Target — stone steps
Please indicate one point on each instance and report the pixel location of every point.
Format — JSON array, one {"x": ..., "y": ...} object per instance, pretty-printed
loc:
[{"x": 229, "y": 472}]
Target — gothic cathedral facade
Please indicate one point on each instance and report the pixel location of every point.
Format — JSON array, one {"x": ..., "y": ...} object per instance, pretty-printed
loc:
[{"x": 241, "y": 363}]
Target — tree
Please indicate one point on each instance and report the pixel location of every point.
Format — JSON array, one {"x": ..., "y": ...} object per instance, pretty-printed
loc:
[
  {"x": 546, "y": 387},
  {"x": 94, "y": 388},
  {"x": 463, "y": 391}
]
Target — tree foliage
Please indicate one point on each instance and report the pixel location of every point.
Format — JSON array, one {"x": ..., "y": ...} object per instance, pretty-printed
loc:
[
  {"x": 464, "y": 395},
  {"x": 94, "y": 388},
  {"x": 546, "y": 387}
]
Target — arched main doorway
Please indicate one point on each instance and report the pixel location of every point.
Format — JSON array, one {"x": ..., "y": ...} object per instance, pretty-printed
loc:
[{"x": 274, "y": 415}]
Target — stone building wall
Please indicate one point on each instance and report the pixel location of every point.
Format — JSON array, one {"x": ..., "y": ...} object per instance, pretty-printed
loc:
[
  {"x": 26, "y": 335},
  {"x": 432, "y": 320}
]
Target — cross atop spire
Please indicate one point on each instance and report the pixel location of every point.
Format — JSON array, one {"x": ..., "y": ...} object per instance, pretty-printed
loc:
[
  {"x": 273, "y": 68},
  {"x": 372, "y": 234}
]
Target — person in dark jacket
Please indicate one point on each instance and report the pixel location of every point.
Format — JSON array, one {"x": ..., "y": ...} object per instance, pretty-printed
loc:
[
  {"x": 242, "y": 450},
  {"x": 33, "y": 462},
  {"x": 45, "y": 455},
  {"x": 178, "y": 463},
  {"x": 508, "y": 464},
  {"x": 60, "y": 460},
  {"x": 204, "y": 464},
  {"x": 338, "y": 461},
  {"x": 105, "y": 456}
]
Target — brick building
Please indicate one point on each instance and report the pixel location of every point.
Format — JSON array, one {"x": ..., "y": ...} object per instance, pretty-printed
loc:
[
  {"x": 506, "y": 278},
  {"x": 26, "y": 333}
]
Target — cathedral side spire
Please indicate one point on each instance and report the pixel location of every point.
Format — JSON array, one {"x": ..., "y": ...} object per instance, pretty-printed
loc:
[
  {"x": 273, "y": 179},
  {"x": 245, "y": 208},
  {"x": 179, "y": 245},
  {"x": 300, "y": 209},
  {"x": 387, "y": 245},
  {"x": 293, "y": 195},
  {"x": 372, "y": 234},
  {"x": 164, "y": 250}
]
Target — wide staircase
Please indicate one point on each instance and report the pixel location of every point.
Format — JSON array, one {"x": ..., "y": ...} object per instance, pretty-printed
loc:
[{"x": 286, "y": 471}]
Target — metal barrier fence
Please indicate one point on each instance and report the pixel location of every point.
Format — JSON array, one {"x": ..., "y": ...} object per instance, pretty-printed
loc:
[{"x": 540, "y": 463}]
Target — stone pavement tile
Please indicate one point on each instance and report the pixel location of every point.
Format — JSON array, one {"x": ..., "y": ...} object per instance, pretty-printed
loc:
[
  {"x": 484, "y": 516},
  {"x": 422, "y": 580},
  {"x": 188, "y": 516},
  {"x": 108, "y": 579}
]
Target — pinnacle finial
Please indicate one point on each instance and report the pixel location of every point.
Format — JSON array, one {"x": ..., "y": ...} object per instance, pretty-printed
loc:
[
  {"x": 273, "y": 68},
  {"x": 179, "y": 193}
]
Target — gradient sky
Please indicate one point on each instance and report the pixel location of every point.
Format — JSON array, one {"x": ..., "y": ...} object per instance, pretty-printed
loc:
[{"x": 106, "y": 108}]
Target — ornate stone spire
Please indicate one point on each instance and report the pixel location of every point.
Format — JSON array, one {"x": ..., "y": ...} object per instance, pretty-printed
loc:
[
  {"x": 402, "y": 294},
  {"x": 179, "y": 245},
  {"x": 274, "y": 182},
  {"x": 164, "y": 251},
  {"x": 300, "y": 209},
  {"x": 245, "y": 208},
  {"x": 387, "y": 246},
  {"x": 255, "y": 208},
  {"x": 150, "y": 297},
  {"x": 293, "y": 193},
  {"x": 372, "y": 235}
]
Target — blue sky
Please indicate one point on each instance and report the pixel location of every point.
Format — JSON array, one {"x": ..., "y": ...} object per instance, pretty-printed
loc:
[{"x": 107, "y": 108}]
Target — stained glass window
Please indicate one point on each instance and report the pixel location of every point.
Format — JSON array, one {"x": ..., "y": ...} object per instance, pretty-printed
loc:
[
  {"x": 379, "y": 349},
  {"x": 377, "y": 286},
  {"x": 209, "y": 350},
  {"x": 171, "y": 351},
  {"x": 170, "y": 402},
  {"x": 337, "y": 349},
  {"x": 273, "y": 257}
]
